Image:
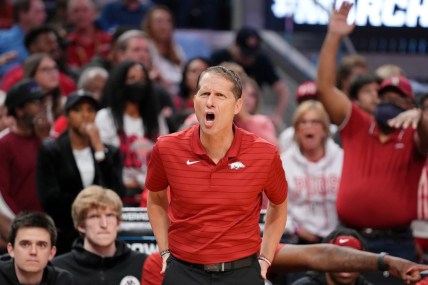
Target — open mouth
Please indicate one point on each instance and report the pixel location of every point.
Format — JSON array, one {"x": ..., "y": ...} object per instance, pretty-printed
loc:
[{"x": 210, "y": 117}]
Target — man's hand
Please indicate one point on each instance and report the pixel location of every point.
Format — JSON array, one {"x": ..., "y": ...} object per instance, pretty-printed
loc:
[
  {"x": 92, "y": 132},
  {"x": 406, "y": 119},
  {"x": 263, "y": 269},
  {"x": 7, "y": 57},
  {"x": 164, "y": 258},
  {"x": 338, "y": 24},
  {"x": 406, "y": 270}
]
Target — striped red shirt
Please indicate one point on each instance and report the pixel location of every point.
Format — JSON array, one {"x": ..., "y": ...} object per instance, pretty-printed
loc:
[{"x": 215, "y": 208}]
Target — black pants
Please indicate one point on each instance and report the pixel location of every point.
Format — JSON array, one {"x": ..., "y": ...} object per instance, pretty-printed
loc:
[{"x": 178, "y": 273}]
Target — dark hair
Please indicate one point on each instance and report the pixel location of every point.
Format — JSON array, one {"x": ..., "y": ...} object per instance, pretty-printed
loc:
[
  {"x": 228, "y": 74},
  {"x": 359, "y": 81},
  {"x": 33, "y": 220},
  {"x": 20, "y": 6},
  {"x": 34, "y": 33},
  {"x": 114, "y": 97},
  {"x": 184, "y": 89},
  {"x": 347, "y": 64},
  {"x": 342, "y": 231}
]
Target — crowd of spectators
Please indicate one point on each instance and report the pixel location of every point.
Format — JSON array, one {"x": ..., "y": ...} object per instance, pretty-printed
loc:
[{"x": 87, "y": 87}]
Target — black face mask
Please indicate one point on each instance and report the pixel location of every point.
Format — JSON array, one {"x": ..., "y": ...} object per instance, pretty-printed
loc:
[
  {"x": 136, "y": 92},
  {"x": 385, "y": 112}
]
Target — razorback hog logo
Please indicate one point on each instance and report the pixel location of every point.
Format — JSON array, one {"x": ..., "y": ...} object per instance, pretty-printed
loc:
[{"x": 236, "y": 165}]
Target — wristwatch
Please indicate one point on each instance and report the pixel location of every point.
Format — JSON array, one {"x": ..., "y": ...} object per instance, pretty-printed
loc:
[{"x": 99, "y": 156}]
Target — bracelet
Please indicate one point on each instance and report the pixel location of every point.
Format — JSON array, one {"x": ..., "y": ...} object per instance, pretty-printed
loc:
[
  {"x": 381, "y": 266},
  {"x": 264, "y": 258},
  {"x": 163, "y": 252}
]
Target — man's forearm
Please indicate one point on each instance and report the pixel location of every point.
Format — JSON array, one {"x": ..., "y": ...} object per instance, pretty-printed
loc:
[
  {"x": 315, "y": 257},
  {"x": 157, "y": 209},
  {"x": 276, "y": 217}
]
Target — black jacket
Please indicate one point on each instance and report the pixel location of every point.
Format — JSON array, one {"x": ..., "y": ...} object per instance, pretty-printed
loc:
[
  {"x": 318, "y": 278},
  {"x": 90, "y": 269},
  {"x": 59, "y": 182},
  {"x": 51, "y": 275}
]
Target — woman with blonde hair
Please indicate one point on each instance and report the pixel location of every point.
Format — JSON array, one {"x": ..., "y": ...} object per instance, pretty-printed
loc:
[
  {"x": 313, "y": 166},
  {"x": 167, "y": 55}
]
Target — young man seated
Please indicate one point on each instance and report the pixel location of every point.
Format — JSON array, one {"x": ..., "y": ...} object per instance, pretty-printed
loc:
[
  {"x": 98, "y": 257},
  {"x": 31, "y": 246}
]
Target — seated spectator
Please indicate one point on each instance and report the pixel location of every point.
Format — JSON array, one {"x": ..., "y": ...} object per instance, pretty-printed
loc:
[
  {"x": 19, "y": 146},
  {"x": 340, "y": 237},
  {"x": 31, "y": 246},
  {"x": 85, "y": 40},
  {"x": 246, "y": 51},
  {"x": 123, "y": 13},
  {"x": 44, "y": 70},
  {"x": 167, "y": 55},
  {"x": 313, "y": 166},
  {"x": 43, "y": 39},
  {"x": 184, "y": 101},
  {"x": 258, "y": 124},
  {"x": 93, "y": 80},
  {"x": 77, "y": 159},
  {"x": 131, "y": 121},
  {"x": 96, "y": 213},
  {"x": 27, "y": 14},
  {"x": 349, "y": 67}
]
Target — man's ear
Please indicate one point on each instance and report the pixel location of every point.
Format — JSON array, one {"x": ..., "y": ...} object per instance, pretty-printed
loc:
[
  {"x": 53, "y": 253},
  {"x": 81, "y": 230},
  {"x": 10, "y": 249},
  {"x": 238, "y": 105}
]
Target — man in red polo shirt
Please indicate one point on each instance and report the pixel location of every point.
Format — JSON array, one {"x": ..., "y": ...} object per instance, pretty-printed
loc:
[
  {"x": 216, "y": 172},
  {"x": 382, "y": 165}
]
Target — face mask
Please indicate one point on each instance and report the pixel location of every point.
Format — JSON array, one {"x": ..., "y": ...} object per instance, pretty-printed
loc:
[
  {"x": 385, "y": 112},
  {"x": 136, "y": 92}
]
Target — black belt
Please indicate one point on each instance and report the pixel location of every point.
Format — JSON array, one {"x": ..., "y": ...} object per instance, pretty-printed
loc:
[
  {"x": 385, "y": 233},
  {"x": 223, "y": 266}
]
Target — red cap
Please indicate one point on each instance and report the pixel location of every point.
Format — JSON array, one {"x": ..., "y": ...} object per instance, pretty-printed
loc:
[
  {"x": 348, "y": 241},
  {"x": 401, "y": 83},
  {"x": 306, "y": 90}
]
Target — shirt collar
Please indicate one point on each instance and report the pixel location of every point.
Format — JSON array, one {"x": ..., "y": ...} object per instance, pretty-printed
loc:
[{"x": 198, "y": 148}]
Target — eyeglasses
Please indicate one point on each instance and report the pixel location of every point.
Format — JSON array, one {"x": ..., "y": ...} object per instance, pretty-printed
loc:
[
  {"x": 309, "y": 122},
  {"x": 48, "y": 69}
]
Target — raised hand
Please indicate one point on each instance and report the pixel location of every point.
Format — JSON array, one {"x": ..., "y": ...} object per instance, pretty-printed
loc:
[{"x": 338, "y": 24}]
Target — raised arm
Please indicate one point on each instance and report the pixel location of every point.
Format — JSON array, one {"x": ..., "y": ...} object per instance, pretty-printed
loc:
[
  {"x": 157, "y": 209},
  {"x": 342, "y": 259},
  {"x": 334, "y": 100}
]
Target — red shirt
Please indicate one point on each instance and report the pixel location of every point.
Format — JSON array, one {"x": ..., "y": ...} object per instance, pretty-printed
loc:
[
  {"x": 215, "y": 208},
  {"x": 379, "y": 181},
  {"x": 79, "y": 53},
  {"x": 18, "y": 156}
]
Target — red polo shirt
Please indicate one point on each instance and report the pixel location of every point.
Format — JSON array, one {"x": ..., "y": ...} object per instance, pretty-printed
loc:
[
  {"x": 379, "y": 181},
  {"x": 215, "y": 208},
  {"x": 79, "y": 53}
]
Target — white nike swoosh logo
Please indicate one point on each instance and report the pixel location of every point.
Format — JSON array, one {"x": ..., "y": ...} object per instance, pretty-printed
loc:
[
  {"x": 343, "y": 240},
  {"x": 192, "y": 162}
]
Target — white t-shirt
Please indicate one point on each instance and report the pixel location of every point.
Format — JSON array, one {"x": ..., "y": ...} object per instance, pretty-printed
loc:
[{"x": 85, "y": 164}]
